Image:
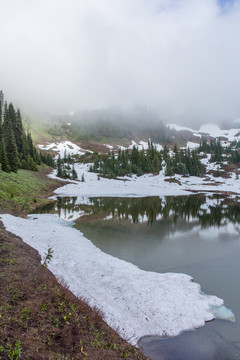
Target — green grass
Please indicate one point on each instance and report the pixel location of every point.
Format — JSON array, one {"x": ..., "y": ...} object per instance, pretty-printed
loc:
[
  {"x": 39, "y": 132},
  {"x": 23, "y": 190}
]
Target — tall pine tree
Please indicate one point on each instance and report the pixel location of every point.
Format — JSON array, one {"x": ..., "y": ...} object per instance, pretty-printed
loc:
[{"x": 10, "y": 143}]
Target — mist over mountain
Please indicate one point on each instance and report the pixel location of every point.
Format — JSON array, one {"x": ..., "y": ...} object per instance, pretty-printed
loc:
[
  {"x": 115, "y": 123},
  {"x": 180, "y": 58}
]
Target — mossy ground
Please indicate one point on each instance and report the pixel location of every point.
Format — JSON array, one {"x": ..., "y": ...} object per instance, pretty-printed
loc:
[{"x": 22, "y": 191}]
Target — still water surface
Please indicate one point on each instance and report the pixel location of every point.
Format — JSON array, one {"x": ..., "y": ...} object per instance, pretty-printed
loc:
[{"x": 195, "y": 234}]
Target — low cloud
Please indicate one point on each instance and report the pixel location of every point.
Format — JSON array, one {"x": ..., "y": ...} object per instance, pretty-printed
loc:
[{"x": 179, "y": 57}]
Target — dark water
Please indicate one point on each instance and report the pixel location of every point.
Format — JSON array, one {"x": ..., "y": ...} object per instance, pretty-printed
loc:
[{"x": 196, "y": 235}]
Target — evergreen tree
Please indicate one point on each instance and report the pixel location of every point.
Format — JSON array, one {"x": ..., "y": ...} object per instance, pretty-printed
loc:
[
  {"x": 30, "y": 164},
  {"x": 59, "y": 167},
  {"x": 3, "y": 157},
  {"x": 1, "y": 106},
  {"x": 10, "y": 143},
  {"x": 19, "y": 133},
  {"x": 30, "y": 144},
  {"x": 65, "y": 156},
  {"x": 74, "y": 173},
  {"x": 16, "y": 147}
]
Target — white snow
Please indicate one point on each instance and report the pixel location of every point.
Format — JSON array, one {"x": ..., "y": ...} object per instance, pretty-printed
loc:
[
  {"x": 206, "y": 160},
  {"x": 146, "y": 185},
  {"x": 141, "y": 145},
  {"x": 179, "y": 128},
  {"x": 192, "y": 145},
  {"x": 144, "y": 145},
  {"x": 212, "y": 130},
  {"x": 158, "y": 147},
  {"x": 133, "y": 144},
  {"x": 108, "y": 146},
  {"x": 61, "y": 147},
  {"x": 134, "y": 302}
]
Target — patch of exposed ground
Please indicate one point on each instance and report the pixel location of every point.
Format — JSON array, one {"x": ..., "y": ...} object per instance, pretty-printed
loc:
[{"x": 39, "y": 317}]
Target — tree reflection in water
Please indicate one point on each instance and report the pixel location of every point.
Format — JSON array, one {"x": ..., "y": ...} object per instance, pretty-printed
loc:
[{"x": 208, "y": 210}]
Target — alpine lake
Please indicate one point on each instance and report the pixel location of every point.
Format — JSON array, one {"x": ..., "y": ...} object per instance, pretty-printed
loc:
[{"x": 198, "y": 235}]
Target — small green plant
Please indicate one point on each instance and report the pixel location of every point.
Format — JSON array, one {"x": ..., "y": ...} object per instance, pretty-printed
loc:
[
  {"x": 1, "y": 350},
  {"x": 48, "y": 257},
  {"x": 25, "y": 317},
  {"x": 14, "y": 353},
  {"x": 56, "y": 322},
  {"x": 44, "y": 307}
]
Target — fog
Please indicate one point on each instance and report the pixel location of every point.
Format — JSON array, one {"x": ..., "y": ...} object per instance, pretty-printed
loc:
[{"x": 180, "y": 58}]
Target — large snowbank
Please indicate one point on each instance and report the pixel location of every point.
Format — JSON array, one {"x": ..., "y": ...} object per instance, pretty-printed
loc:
[
  {"x": 134, "y": 302},
  {"x": 146, "y": 185}
]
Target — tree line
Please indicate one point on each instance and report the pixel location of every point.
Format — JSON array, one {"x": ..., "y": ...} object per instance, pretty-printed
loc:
[
  {"x": 127, "y": 163},
  {"x": 16, "y": 146},
  {"x": 184, "y": 162},
  {"x": 214, "y": 147},
  {"x": 65, "y": 167}
]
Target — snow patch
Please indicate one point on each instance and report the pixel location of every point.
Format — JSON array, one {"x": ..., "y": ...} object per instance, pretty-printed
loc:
[
  {"x": 108, "y": 146},
  {"x": 61, "y": 147},
  {"x": 141, "y": 145},
  {"x": 179, "y": 128},
  {"x": 192, "y": 145},
  {"x": 212, "y": 130}
]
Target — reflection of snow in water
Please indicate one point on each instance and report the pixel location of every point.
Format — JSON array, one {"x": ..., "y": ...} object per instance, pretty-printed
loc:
[{"x": 222, "y": 312}]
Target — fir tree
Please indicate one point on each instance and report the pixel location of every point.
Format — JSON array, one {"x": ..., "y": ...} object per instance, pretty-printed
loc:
[
  {"x": 1, "y": 106},
  {"x": 3, "y": 157},
  {"x": 30, "y": 144},
  {"x": 19, "y": 133},
  {"x": 74, "y": 173},
  {"x": 16, "y": 147},
  {"x": 59, "y": 167},
  {"x": 10, "y": 143},
  {"x": 65, "y": 156}
]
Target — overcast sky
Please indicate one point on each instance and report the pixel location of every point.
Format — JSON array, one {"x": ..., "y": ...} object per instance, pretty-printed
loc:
[{"x": 180, "y": 57}]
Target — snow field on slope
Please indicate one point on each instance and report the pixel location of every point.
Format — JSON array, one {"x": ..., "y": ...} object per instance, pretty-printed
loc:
[
  {"x": 61, "y": 147},
  {"x": 145, "y": 185},
  {"x": 134, "y": 302},
  {"x": 212, "y": 130}
]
